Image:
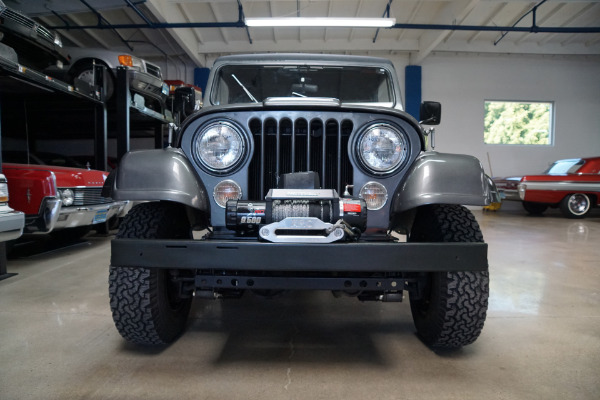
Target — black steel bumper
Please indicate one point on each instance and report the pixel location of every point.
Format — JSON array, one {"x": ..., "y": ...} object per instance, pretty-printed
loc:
[{"x": 230, "y": 255}]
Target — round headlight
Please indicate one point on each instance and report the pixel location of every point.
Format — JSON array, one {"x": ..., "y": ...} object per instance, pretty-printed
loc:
[
  {"x": 374, "y": 194},
  {"x": 226, "y": 190},
  {"x": 67, "y": 197},
  {"x": 219, "y": 146},
  {"x": 382, "y": 148}
]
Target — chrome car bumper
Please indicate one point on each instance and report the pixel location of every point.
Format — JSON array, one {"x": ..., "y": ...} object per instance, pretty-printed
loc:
[
  {"x": 71, "y": 217},
  {"x": 11, "y": 225},
  {"x": 46, "y": 219},
  {"x": 509, "y": 194},
  {"x": 146, "y": 84}
]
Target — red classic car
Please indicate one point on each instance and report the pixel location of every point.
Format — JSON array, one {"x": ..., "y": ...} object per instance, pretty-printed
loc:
[
  {"x": 55, "y": 198},
  {"x": 573, "y": 185}
]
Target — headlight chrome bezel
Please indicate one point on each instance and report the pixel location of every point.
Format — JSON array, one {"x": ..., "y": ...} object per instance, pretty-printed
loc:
[
  {"x": 67, "y": 196},
  {"x": 402, "y": 155},
  {"x": 238, "y": 159}
]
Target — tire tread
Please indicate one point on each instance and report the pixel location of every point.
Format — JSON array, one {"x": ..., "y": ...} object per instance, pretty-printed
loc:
[
  {"x": 134, "y": 293},
  {"x": 457, "y": 313}
]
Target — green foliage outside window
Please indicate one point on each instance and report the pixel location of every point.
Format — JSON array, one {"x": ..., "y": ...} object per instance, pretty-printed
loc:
[{"x": 517, "y": 123}]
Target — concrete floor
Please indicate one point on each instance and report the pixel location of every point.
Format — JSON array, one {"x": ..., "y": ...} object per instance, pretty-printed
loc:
[{"x": 541, "y": 339}]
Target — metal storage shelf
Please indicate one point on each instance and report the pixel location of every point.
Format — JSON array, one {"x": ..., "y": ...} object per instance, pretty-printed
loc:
[{"x": 23, "y": 83}]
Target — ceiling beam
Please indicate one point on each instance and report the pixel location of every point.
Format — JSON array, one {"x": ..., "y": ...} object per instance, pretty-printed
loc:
[
  {"x": 411, "y": 19},
  {"x": 357, "y": 14},
  {"x": 584, "y": 11},
  {"x": 67, "y": 35},
  {"x": 541, "y": 21},
  {"x": 497, "y": 10},
  {"x": 185, "y": 11},
  {"x": 75, "y": 19},
  {"x": 405, "y": 46},
  {"x": 211, "y": 5},
  {"x": 310, "y": 45},
  {"x": 186, "y": 38},
  {"x": 455, "y": 11}
]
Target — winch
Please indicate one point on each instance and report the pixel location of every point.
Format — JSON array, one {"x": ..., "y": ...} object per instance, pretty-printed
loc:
[{"x": 299, "y": 215}]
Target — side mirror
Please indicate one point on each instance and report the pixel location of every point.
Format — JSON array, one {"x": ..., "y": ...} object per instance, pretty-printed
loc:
[{"x": 430, "y": 113}]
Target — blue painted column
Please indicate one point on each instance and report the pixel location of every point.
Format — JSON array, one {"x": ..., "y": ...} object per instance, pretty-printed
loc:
[
  {"x": 201, "y": 77},
  {"x": 412, "y": 83}
]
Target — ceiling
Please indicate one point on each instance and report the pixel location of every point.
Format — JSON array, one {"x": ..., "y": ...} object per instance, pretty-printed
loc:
[{"x": 212, "y": 28}]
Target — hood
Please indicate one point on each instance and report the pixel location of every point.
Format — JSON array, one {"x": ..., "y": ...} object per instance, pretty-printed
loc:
[{"x": 66, "y": 176}]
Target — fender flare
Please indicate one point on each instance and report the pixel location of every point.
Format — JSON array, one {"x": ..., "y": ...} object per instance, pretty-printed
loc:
[
  {"x": 442, "y": 178},
  {"x": 159, "y": 175}
]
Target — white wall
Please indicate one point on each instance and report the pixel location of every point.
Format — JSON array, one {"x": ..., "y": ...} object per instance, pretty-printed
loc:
[
  {"x": 463, "y": 83},
  {"x": 176, "y": 69}
]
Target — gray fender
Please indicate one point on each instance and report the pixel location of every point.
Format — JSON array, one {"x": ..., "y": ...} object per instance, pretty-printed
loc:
[
  {"x": 441, "y": 178},
  {"x": 151, "y": 175}
]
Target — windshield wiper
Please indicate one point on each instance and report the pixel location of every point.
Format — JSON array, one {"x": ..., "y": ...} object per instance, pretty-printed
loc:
[{"x": 244, "y": 88}]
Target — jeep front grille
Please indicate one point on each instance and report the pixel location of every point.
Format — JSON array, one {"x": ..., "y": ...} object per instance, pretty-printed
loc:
[{"x": 287, "y": 145}]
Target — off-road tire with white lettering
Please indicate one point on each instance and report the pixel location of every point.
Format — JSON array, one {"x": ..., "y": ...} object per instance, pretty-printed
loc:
[
  {"x": 145, "y": 303},
  {"x": 451, "y": 308}
]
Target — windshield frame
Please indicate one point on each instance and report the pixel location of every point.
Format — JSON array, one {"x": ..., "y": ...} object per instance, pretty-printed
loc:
[{"x": 390, "y": 74}]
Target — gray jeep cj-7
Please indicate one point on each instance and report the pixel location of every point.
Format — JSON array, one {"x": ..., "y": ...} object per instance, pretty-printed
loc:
[{"x": 301, "y": 172}]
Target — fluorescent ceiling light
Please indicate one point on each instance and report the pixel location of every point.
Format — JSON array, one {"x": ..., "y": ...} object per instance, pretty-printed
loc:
[{"x": 323, "y": 22}]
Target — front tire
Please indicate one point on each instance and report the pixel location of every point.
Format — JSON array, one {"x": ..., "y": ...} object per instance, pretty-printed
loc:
[
  {"x": 145, "y": 302},
  {"x": 451, "y": 309},
  {"x": 576, "y": 205}
]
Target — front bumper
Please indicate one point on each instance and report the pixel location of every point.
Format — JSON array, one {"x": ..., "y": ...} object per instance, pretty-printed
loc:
[
  {"x": 11, "y": 225},
  {"x": 146, "y": 84},
  {"x": 509, "y": 194},
  {"x": 71, "y": 217},
  {"x": 45, "y": 220},
  {"x": 233, "y": 255}
]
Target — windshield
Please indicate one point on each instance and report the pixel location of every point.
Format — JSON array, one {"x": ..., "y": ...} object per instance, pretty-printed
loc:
[
  {"x": 564, "y": 167},
  {"x": 255, "y": 83}
]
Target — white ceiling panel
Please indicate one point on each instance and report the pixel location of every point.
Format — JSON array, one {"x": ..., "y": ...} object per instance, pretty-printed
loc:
[{"x": 134, "y": 23}]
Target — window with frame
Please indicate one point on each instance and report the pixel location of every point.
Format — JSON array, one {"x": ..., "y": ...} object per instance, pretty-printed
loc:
[{"x": 518, "y": 122}]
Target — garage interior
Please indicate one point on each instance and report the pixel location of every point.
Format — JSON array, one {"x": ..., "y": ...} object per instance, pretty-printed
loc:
[{"x": 541, "y": 338}]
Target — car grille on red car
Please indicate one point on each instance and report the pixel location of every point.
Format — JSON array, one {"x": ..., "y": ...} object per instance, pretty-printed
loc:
[{"x": 89, "y": 196}]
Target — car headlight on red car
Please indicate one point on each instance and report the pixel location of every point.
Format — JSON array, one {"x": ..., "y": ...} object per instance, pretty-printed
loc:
[{"x": 66, "y": 196}]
